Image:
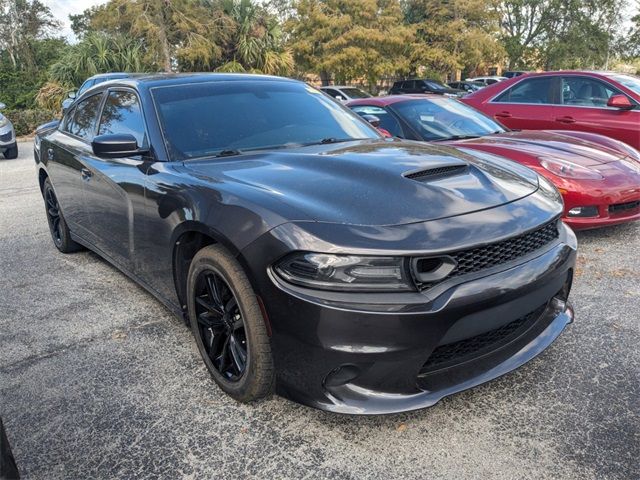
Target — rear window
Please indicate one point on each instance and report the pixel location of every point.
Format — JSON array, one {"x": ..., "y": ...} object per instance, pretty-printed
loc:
[{"x": 204, "y": 119}]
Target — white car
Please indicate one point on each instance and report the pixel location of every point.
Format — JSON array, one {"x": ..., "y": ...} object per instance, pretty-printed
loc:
[
  {"x": 8, "y": 145},
  {"x": 490, "y": 80},
  {"x": 345, "y": 93}
]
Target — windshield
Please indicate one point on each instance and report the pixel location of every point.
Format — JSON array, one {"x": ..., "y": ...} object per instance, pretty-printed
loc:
[
  {"x": 632, "y": 82},
  {"x": 355, "y": 93},
  {"x": 445, "y": 118},
  {"x": 435, "y": 85},
  {"x": 207, "y": 119}
]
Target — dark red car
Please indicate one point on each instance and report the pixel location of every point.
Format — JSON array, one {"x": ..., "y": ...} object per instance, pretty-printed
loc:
[
  {"x": 599, "y": 177},
  {"x": 597, "y": 102}
]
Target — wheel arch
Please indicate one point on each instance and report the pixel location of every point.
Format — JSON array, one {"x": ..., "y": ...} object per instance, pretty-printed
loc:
[
  {"x": 42, "y": 176},
  {"x": 188, "y": 239}
]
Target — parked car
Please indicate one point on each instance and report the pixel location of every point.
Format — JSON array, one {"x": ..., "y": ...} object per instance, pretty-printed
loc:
[
  {"x": 599, "y": 177},
  {"x": 355, "y": 273},
  {"x": 423, "y": 86},
  {"x": 90, "y": 82},
  {"x": 514, "y": 73},
  {"x": 596, "y": 102},
  {"x": 345, "y": 93},
  {"x": 8, "y": 144},
  {"x": 466, "y": 86},
  {"x": 490, "y": 80}
]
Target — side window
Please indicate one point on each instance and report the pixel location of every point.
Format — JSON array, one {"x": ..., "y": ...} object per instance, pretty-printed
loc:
[
  {"x": 533, "y": 90},
  {"x": 387, "y": 121},
  {"x": 122, "y": 114},
  {"x": 585, "y": 91},
  {"x": 82, "y": 122},
  {"x": 409, "y": 84},
  {"x": 331, "y": 92},
  {"x": 67, "y": 120},
  {"x": 85, "y": 86}
]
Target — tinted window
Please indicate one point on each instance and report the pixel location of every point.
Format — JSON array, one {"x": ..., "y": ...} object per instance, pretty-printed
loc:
[
  {"x": 85, "y": 86},
  {"x": 331, "y": 92},
  {"x": 355, "y": 93},
  {"x": 85, "y": 114},
  {"x": 585, "y": 91},
  {"x": 387, "y": 120},
  {"x": 443, "y": 118},
  {"x": 203, "y": 119},
  {"x": 122, "y": 114},
  {"x": 534, "y": 90}
]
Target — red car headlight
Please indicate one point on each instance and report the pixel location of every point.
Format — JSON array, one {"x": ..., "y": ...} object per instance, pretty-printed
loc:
[{"x": 566, "y": 169}]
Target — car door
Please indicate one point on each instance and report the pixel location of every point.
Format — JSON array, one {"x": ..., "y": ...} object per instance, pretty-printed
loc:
[
  {"x": 66, "y": 152},
  {"x": 114, "y": 187},
  {"x": 583, "y": 107},
  {"x": 528, "y": 104}
]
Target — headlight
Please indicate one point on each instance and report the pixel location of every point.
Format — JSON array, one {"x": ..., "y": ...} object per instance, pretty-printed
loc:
[
  {"x": 346, "y": 272},
  {"x": 566, "y": 169},
  {"x": 3, "y": 121},
  {"x": 549, "y": 189}
]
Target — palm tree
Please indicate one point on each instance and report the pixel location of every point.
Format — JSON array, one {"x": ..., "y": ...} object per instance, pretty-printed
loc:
[{"x": 256, "y": 43}]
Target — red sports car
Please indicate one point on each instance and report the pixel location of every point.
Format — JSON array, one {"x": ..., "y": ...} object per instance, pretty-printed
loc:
[
  {"x": 596, "y": 102},
  {"x": 599, "y": 177}
]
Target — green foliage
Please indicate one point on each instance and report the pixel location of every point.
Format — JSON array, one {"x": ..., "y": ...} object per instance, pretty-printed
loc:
[
  {"x": 97, "y": 53},
  {"x": 25, "y": 121},
  {"x": 347, "y": 40}
]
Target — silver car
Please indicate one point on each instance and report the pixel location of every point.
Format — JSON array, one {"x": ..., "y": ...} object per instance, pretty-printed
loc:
[{"x": 8, "y": 145}]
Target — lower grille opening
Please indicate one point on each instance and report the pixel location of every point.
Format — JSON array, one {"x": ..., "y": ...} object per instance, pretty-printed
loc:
[
  {"x": 620, "y": 208},
  {"x": 464, "y": 350}
]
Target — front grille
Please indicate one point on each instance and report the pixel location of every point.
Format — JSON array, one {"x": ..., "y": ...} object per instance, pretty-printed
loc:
[
  {"x": 623, "y": 207},
  {"x": 6, "y": 137},
  {"x": 469, "y": 348},
  {"x": 477, "y": 259},
  {"x": 448, "y": 170}
]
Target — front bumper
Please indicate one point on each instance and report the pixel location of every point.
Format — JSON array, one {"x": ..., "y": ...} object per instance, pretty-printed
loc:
[{"x": 373, "y": 353}]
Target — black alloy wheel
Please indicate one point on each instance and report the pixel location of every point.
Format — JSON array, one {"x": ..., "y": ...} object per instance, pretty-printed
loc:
[
  {"x": 221, "y": 325},
  {"x": 53, "y": 215}
]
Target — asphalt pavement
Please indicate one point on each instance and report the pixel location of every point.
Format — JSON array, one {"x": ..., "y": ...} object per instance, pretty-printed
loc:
[{"x": 99, "y": 380}]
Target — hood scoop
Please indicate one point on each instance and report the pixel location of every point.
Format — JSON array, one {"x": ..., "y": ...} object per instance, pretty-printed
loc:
[{"x": 437, "y": 172}]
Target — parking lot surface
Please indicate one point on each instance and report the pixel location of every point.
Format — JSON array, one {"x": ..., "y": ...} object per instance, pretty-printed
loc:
[{"x": 99, "y": 380}]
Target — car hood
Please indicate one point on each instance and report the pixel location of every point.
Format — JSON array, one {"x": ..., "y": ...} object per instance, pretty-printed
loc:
[
  {"x": 365, "y": 183},
  {"x": 547, "y": 144}
]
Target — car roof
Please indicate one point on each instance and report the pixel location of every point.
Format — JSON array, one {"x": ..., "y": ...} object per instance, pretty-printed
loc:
[
  {"x": 148, "y": 81},
  {"x": 391, "y": 99}
]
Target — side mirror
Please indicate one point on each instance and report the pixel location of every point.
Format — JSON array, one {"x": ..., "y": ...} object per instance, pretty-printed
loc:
[
  {"x": 372, "y": 119},
  {"x": 2, "y": 106},
  {"x": 119, "y": 145},
  {"x": 620, "y": 102},
  {"x": 72, "y": 95}
]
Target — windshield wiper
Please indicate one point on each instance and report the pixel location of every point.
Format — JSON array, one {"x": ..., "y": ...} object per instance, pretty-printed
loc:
[
  {"x": 228, "y": 153},
  {"x": 328, "y": 140},
  {"x": 456, "y": 137}
]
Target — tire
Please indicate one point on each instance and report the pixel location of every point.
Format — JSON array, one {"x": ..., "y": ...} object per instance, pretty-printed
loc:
[
  {"x": 11, "y": 153},
  {"x": 57, "y": 226},
  {"x": 224, "y": 313}
]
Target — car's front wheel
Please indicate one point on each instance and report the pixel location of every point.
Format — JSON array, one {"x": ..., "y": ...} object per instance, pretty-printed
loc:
[
  {"x": 57, "y": 225},
  {"x": 228, "y": 325}
]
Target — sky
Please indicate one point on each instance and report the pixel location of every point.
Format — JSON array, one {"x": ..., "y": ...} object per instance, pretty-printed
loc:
[{"x": 61, "y": 9}]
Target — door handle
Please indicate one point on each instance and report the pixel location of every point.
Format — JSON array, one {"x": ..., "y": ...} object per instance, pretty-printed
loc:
[
  {"x": 50, "y": 153},
  {"x": 86, "y": 174},
  {"x": 503, "y": 115},
  {"x": 566, "y": 119}
]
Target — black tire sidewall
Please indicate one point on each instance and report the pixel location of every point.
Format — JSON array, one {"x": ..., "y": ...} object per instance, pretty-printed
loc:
[{"x": 214, "y": 258}]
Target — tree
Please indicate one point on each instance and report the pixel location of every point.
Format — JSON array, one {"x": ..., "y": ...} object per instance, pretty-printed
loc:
[
  {"x": 97, "y": 53},
  {"x": 23, "y": 22},
  {"x": 256, "y": 41},
  {"x": 454, "y": 34},
  {"x": 349, "y": 39}
]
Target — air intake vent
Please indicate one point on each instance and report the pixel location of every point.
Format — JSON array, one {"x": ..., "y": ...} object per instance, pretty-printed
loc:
[{"x": 436, "y": 172}]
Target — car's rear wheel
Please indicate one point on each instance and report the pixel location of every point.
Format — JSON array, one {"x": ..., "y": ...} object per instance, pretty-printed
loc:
[
  {"x": 228, "y": 325},
  {"x": 57, "y": 225},
  {"x": 11, "y": 153}
]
